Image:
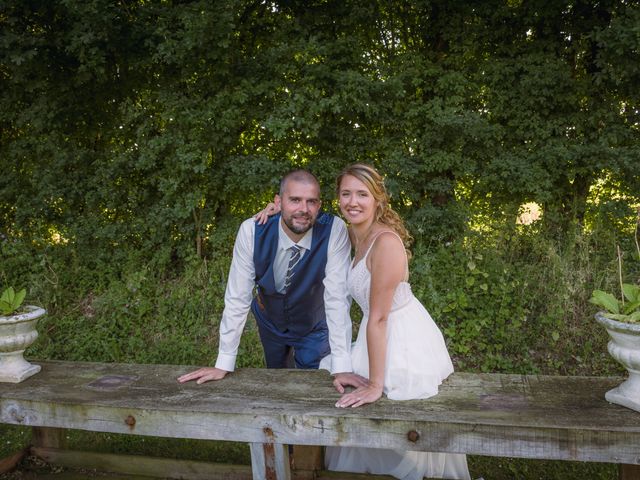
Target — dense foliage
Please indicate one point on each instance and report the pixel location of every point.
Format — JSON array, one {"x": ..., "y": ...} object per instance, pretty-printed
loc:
[
  {"x": 147, "y": 124},
  {"x": 136, "y": 135}
]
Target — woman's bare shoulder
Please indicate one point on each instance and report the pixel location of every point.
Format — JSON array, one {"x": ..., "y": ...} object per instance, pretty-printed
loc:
[
  {"x": 388, "y": 256},
  {"x": 388, "y": 236},
  {"x": 388, "y": 242}
]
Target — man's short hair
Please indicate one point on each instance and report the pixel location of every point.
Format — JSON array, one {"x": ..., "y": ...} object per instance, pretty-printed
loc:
[{"x": 303, "y": 176}]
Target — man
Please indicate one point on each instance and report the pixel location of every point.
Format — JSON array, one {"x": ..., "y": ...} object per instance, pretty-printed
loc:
[{"x": 299, "y": 261}]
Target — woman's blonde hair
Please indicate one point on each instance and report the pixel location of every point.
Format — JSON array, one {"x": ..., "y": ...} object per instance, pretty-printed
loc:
[{"x": 375, "y": 184}]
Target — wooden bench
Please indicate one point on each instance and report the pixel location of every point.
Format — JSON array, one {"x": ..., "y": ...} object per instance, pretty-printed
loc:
[{"x": 537, "y": 417}]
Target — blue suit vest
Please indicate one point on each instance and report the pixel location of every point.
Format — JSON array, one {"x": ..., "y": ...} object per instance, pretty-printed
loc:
[{"x": 301, "y": 308}]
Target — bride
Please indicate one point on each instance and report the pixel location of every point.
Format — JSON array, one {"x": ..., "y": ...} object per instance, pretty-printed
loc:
[{"x": 399, "y": 348}]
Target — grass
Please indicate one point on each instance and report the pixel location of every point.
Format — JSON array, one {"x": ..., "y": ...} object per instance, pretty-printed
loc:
[{"x": 492, "y": 468}]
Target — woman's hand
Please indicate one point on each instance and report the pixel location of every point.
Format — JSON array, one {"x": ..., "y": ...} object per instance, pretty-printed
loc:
[
  {"x": 348, "y": 379},
  {"x": 360, "y": 396},
  {"x": 263, "y": 215}
]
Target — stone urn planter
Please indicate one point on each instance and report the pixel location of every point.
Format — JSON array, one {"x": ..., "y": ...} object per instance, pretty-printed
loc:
[
  {"x": 17, "y": 332},
  {"x": 624, "y": 347}
]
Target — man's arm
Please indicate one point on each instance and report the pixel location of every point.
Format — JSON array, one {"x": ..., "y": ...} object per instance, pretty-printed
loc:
[
  {"x": 336, "y": 299},
  {"x": 237, "y": 301}
]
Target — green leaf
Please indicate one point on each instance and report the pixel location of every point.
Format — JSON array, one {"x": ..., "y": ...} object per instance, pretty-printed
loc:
[
  {"x": 631, "y": 292},
  {"x": 10, "y": 301},
  {"x": 17, "y": 301},
  {"x": 5, "y": 307},
  {"x": 555, "y": 336},
  {"x": 605, "y": 300},
  {"x": 7, "y": 295},
  {"x": 630, "y": 307}
]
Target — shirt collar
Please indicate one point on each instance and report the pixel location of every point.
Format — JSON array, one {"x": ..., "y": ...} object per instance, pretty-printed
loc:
[{"x": 285, "y": 242}]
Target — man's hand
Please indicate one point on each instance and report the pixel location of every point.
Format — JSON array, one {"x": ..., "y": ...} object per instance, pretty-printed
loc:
[
  {"x": 203, "y": 375},
  {"x": 341, "y": 380}
]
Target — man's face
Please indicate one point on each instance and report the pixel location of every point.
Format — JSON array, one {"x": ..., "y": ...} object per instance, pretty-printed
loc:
[{"x": 299, "y": 206}]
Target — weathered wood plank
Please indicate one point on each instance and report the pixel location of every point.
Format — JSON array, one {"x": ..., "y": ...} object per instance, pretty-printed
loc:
[
  {"x": 142, "y": 465},
  {"x": 83, "y": 476},
  {"x": 308, "y": 457},
  {"x": 49, "y": 437},
  {"x": 270, "y": 461},
  {"x": 629, "y": 472},
  {"x": 146, "y": 467},
  {"x": 9, "y": 463},
  {"x": 563, "y": 418}
]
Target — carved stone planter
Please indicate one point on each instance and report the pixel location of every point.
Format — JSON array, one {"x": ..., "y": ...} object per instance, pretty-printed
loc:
[
  {"x": 624, "y": 346},
  {"x": 17, "y": 332}
]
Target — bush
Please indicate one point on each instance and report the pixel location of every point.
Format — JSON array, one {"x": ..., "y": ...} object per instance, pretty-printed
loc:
[{"x": 516, "y": 302}]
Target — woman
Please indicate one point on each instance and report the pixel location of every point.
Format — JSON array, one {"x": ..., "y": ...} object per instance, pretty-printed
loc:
[{"x": 399, "y": 348}]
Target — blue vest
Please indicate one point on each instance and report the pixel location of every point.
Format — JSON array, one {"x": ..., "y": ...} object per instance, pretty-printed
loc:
[{"x": 301, "y": 308}]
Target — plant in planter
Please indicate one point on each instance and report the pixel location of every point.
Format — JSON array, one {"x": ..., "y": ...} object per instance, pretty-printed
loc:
[
  {"x": 621, "y": 319},
  {"x": 10, "y": 301},
  {"x": 17, "y": 332},
  {"x": 623, "y": 311}
]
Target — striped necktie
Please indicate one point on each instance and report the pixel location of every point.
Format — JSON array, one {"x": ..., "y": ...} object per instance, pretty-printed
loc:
[{"x": 295, "y": 257}]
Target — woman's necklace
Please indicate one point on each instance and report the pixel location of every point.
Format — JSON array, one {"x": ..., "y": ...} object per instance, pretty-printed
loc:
[{"x": 360, "y": 244}]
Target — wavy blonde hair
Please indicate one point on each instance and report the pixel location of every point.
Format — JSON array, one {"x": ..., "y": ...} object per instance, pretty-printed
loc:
[{"x": 375, "y": 184}]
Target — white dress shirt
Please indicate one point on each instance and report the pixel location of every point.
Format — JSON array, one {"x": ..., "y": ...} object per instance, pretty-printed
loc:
[{"x": 241, "y": 284}]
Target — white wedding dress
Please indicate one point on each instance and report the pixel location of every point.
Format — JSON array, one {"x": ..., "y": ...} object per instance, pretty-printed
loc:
[{"x": 417, "y": 362}]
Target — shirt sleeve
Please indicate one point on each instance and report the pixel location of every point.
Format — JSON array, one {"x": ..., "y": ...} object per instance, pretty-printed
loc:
[
  {"x": 336, "y": 298},
  {"x": 237, "y": 297}
]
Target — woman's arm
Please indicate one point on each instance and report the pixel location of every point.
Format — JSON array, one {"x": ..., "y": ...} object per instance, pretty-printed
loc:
[{"x": 387, "y": 263}]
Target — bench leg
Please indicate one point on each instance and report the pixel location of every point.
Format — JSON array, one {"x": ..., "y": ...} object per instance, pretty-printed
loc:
[
  {"x": 49, "y": 437},
  {"x": 629, "y": 472},
  {"x": 270, "y": 461},
  {"x": 308, "y": 458}
]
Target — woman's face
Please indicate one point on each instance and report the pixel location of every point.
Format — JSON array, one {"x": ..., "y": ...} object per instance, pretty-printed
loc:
[{"x": 356, "y": 201}]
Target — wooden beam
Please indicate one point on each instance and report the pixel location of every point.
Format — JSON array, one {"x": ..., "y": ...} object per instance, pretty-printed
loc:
[
  {"x": 142, "y": 465},
  {"x": 546, "y": 417},
  {"x": 49, "y": 437},
  {"x": 145, "y": 467},
  {"x": 9, "y": 463},
  {"x": 308, "y": 457},
  {"x": 270, "y": 461},
  {"x": 629, "y": 472}
]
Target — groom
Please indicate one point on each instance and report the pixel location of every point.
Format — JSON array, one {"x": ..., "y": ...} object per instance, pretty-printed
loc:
[{"x": 298, "y": 262}]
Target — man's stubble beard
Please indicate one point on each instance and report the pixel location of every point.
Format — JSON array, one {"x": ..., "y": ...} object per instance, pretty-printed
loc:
[{"x": 288, "y": 221}]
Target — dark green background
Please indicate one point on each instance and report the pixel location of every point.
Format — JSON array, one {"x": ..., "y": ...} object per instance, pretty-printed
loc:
[{"x": 136, "y": 135}]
